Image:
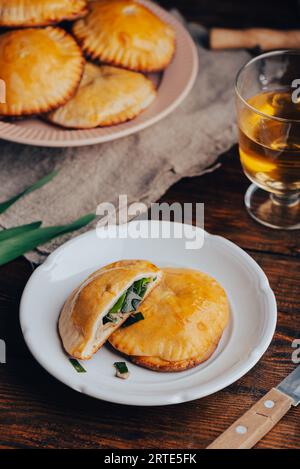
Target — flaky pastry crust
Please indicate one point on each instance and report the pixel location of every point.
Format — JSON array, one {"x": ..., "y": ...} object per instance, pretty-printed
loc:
[
  {"x": 29, "y": 13},
  {"x": 41, "y": 68},
  {"x": 185, "y": 317},
  {"x": 126, "y": 34}
]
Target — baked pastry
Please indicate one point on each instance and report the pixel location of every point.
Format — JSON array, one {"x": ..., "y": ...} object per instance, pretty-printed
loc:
[
  {"x": 21, "y": 13},
  {"x": 126, "y": 34},
  {"x": 41, "y": 68},
  {"x": 106, "y": 96},
  {"x": 184, "y": 319},
  {"x": 102, "y": 303}
]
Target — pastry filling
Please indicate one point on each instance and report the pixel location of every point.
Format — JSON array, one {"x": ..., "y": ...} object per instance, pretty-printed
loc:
[
  {"x": 129, "y": 301},
  {"x": 132, "y": 319}
]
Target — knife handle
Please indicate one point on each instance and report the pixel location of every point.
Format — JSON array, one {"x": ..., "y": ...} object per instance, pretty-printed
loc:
[
  {"x": 266, "y": 39},
  {"x": 255, "y": 423}
]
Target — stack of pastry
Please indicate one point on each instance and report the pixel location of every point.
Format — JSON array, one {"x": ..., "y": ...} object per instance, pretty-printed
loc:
[
  {"x": 176, "y": 316},
  {"x": 90, "y": 73}
]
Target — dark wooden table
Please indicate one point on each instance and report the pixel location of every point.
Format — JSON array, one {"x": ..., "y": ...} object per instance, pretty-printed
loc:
[{"x": 38, "y": 411}]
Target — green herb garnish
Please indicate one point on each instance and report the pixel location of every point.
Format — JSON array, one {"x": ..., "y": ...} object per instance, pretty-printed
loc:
[
  {"x": 121, "y": 370},
  {"x": 133, "y": 318},
  {"x": 78, "y": 367},
  {"x": 121, "y": 367}
]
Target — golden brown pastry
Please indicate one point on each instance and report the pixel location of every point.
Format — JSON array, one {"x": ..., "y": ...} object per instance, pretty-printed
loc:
[
  {"x": 126, "y": 34},
  {"x": 184, "y": 319},
  {"x": 41, "y": 68},
  {"x": 106, "y": 96},
  {"x": 102, "y": 303},
  {"x": 21, "y": 13}
]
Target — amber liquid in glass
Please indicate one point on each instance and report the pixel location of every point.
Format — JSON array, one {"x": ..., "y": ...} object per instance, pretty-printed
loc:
[{"x": 270, "y": 149}]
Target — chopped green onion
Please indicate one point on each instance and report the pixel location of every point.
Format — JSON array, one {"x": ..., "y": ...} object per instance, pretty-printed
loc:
[
  {"x": 112, "y": 317},
  {"x": 139, "y": 285},
  {"x": 106, "y": 319},
  {"x": 78, "y": 367},
  {"x": 144, "y": 286},
  {"x": 129, "y": 301},
  {"x": 117, "y": 307},
  {"x": 121, "y": 370},
  {"x": 121, "y": 367},
  {"x": 133, "y": 318}
]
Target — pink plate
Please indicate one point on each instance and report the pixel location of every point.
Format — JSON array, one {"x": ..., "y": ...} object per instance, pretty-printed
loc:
[{"x": 175, "y": 84}]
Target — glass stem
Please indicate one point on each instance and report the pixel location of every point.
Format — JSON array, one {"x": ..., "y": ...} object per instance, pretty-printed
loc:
[{"x": 287, "y": 200}]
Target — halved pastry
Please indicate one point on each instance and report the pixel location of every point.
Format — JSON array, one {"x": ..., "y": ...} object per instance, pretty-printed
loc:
[
  {"x": 126, "y": 34},
  {"x": 96, "y": 308},
  {"x": 184, "y": 319},
  {"x": 24, "y": 13},
  {"x": 106, "y": 96},
  {"x": 41, "y": 68}
]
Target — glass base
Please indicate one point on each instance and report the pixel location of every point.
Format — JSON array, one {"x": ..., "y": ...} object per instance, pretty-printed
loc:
[{"x": 279, "y": 212}]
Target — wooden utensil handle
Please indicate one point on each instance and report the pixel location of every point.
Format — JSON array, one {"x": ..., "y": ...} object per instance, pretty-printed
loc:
[
  {"x": 255, "y": 423},
  {"x": 267, "y": 39}
]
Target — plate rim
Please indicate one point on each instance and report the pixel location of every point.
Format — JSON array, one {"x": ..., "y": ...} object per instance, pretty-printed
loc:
[
  {"x": 172, "y": 398},
  {"x": 93, "y": 140}
]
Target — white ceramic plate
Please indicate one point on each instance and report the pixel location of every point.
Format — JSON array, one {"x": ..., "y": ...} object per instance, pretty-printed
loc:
[
  {"x": 176, "y": 82},
  {"x": 252, "y": 322}
]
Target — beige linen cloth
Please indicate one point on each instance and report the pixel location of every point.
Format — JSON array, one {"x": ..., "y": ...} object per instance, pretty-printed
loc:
[{"x": 143, "y": 165}]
